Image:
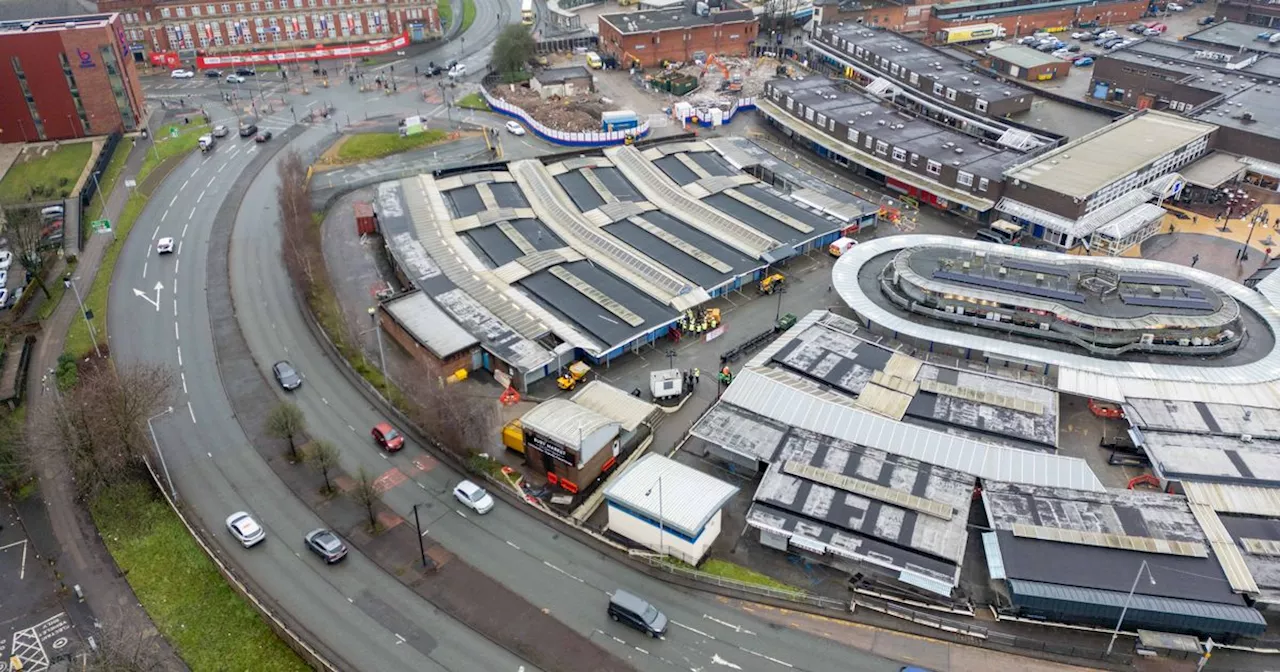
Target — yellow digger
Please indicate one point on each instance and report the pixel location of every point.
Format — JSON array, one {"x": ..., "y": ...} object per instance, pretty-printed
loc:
[
  {"x": 772, "y": 283},
  {"x": 573, "y": 375}
]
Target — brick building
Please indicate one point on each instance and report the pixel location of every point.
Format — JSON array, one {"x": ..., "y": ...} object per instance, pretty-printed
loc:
[
  {"x": 1024, "y": 17},
  {"x": 66, "y": 77},
  {"x": 681, "y": 34},
  {"x": 903, "y": 17},
  {"x": 1025, "y": 63},
  {"x": 225, "y": 26}
]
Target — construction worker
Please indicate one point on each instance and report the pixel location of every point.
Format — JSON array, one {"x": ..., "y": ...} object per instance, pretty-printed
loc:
[{"x": 696, "y": 373}]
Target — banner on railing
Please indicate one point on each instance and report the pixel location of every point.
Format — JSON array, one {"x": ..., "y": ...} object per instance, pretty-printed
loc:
[
  {"x": 576, "y": 139},
  {"x": 317, "y": 53}
]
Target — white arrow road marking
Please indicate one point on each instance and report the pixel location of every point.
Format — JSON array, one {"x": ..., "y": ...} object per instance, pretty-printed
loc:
[{"x": 143, "y": 295}]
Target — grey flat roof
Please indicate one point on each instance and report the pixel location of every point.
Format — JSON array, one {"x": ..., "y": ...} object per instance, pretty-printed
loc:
[
  {"x": 553, "y": 75},
  {"x": 679, "y": 17},
  {"x": 1199, "y": 417},
  {"x": 1085, "y": 165},
  {"x": 1020, "y": 55},
  {"x": 669, "y": 255},
  {"x": 562, "y": 299},
  {"x": 1071, "y": 121},
  {"x": 690, "y": 498},
  {"x": 1253, "y": 623},
  {"x": 1214, "y": 459},
  {"x": 1259, "y": 103},
  {"x": 1232, "y": 36},
  {"x": 429, "y": 325},
  {"x": 924, "y": 61},
  {"x": 1214, "y": 170}
]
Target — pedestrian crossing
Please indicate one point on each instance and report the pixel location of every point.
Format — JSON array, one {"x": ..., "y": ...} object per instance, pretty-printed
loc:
[{"x": 174, "y": 90}]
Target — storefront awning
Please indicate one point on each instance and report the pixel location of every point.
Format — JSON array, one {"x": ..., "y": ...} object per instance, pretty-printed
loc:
[{"x": 1214, "y": 170}]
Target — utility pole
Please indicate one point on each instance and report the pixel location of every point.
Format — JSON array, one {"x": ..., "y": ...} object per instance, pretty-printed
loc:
[{"x": 88, "y": 316}]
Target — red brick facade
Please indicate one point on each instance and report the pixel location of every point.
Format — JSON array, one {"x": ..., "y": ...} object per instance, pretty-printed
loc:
[
  {"x": 40, "y": 65},
  {"x": 1065, "y": 18},
  {"x": 222, "y": 26},
  {"x": 678, "y": 44}
]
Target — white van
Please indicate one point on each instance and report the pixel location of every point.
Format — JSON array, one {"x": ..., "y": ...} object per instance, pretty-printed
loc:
[
  {"x": 840, "y": 246},
  {"x": 458, "y": 70},
  {"x": 206, "y": 143}
]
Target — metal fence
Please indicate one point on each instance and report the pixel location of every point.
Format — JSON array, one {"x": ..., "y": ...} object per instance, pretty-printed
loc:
[
  {"x": 741, "y": 586},
  {"x": 567, "y": 44},
  {"x": 90, "y": 188},
  {"x": 586, "y": 139}
]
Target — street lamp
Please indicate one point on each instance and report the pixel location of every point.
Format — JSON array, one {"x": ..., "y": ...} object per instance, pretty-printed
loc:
[
  {"x": 382, "y": 357},
  {"x": 172, "y": 489},
  {"x": 662, "y": 548},
  {"x": 88, "y": 316},
  {"x": 1141, "y": 568}
]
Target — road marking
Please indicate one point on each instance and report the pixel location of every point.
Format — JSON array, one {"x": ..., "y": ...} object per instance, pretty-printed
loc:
[
  {"x": 172, "y": 200},
  {"x": 175, "y": 332},
  {"x": 775, "y": 661},
  {"x": 176, "y": 264},
  {"x": 184, "y": 381},
  {"x": 179, "y": 247},
  {"x": 513, "y": 545},
  {"x": 144, "y": 269},
  {"x": 184, "y": 231},
  {"x": 166, "y": 214},
  {"x": 694, "y": 630},
  {"x": 224, "y": 165},
  {"x": 201, "y": 196},
  {"x": 460, "y": 513},
  {"x": 193, "y": 214},
  {"x": 179, "y": 353},
  {"x": 143, "y": 295},
  {"x": 424, "y": 532},
  {"x": 175, "y": 307},
  {"x": 326, "y": 401},
  {"x": 715, "y": 658},
  {"x": 23, "y": 573},
  {"x": 735, "y": 628},
  {"x": 192, "y": 411},
  {"x": 212, "y": 179},
  {"x": 184, "y": 185},
  {"x": 562, "y": 571},
  {"x": 647, "y": 653},
  {"x": 402, "y": 639},
  {"x": 153, "y": 236}
]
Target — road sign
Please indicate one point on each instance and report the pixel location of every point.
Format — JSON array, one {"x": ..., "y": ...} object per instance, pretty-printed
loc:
[
  {"x": 173, "y": 131},
  {"x": 130, "y": 183},
  {"x": 101, "y": 225}
]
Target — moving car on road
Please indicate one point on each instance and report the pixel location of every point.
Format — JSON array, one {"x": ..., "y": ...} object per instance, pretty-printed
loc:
[
  {"x": 326, "y": 544},
  {"x": 213, "y": 74},
  {"x": 473, "y": 497},
  {"x": 220, "y": 131},
  {"x": 246, "y": 72},
  {"x": 164, "y": 246},
  {"x": 248, "y": 130},
  {"x": 630, "y": 609},
  {"x": 182, "y": 74},
  {"x": 245, "y": 529},
  {"x": 387, "y": 437},
  {"x": 263, "y": 136},
  {"x": 514, "y": 128},
  {"x": 235, "y": 79},
  {"x": 286, "y": 375}
]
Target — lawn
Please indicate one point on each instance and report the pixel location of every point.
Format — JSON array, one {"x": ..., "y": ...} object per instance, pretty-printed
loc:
[
  {"x": 78, "y": 343},
  {"x": 728, "y": 570},
  {"x": 47, "y": 177},
  {"x": 473, "y": 101},
  {"x": 366, "y": 146},
  {"x": 468, "y": 14},
  {"x": 445, "y": 10},
  {"x": 107, "y": 181},
  {"x": 207, "y": 622}
]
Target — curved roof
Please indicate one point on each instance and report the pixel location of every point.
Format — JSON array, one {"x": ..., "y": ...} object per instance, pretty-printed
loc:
[
  {"x": 564, "y": 421},
  {"x": 1250, "y": 384}
]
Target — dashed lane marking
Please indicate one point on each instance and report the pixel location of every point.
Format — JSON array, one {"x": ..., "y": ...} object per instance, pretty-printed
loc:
[{"x": 192, "y": 411}]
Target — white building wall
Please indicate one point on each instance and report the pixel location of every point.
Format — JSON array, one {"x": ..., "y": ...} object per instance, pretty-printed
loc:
[{"x": 647, "y": 534}]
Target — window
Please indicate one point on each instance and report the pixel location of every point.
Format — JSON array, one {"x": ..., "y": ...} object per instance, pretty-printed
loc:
[
  {"x": 253, "y": 7},
  {"x": 822, "y": 120},
  {"x": 965, "y": 179},
  {"x": 226, "y": 9},
  {"x": 882, "y": 147},
  {"x": 239, "y": 8},
  {"x": 933, "y": 167},
  {"x": 808, "y": 114},
  {"x": 937, "y": 89},
  {"x": 866, "y": 141},
  {"x": 182, "y": 12},
  {"x": 915, "y": 79},
  {"x": 271, "y": 5},
  {"x": 831, "y": 125},
  {"x": 164, "y": 12},
  {"x": 209, "y": 10},
  {"x": 951, "y": 94},
  {"x": 899, "y": 155},
  {"x": 980, "y": 105},
  {"x": 915, "y": 159},
  {"x": 893, "y": 69},
  {"x": 853, "y": 136},
  {"x": 983, "y": 183}
]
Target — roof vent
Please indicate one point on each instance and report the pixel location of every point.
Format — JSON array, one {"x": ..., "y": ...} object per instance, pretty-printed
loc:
[
  {"x": 1155, "y": 289},
  {"x": 1002, "y": 271},
  {"x": 1247, "y": 438},
  {"x": 1039, "y": 278},
  {"x": 959, "y": 150}
]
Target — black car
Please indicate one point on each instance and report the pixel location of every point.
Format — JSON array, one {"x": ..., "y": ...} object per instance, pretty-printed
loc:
[
  {"x": 263, "y": 136},
  {"x": 213, "y": 74},
  {"x": 246, "y": 72},
  {"x": 248, "y": 130},
  {"x": 286, "y": 375},
  {"x": 326, "y": 544}
]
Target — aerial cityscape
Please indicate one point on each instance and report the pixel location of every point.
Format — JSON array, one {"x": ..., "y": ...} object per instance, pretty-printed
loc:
[{"x": 562, "y": 335}]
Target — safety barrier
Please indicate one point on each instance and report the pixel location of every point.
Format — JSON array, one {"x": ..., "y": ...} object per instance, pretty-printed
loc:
[
  {"x": 702, "y": 112},
  {"x": 585, "y": 139}
]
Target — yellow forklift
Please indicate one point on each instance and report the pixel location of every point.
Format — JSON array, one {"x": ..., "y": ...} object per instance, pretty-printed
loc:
[
  {"x": 573, "y": 375},
  {"x": 772, "y": 283}
]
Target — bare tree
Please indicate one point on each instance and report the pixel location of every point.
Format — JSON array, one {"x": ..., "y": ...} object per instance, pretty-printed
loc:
[
  {"x": 287, "y": 422},
  {"x": 122, "y": 649},
  {"x": 301, "y": 250},
  {"x": 324, "y": 456},
  {"x": 15, "y": 454},
  {"x": 459, "y": 421},
  {"x": 26, "y": 230},
  {"x": 102, "y": 423},
  {"x": 365, "y": 493}
]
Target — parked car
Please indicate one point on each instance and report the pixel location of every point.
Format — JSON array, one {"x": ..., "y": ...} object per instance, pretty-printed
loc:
[
  {"x": 248, "y": 130},
  {"x": 1151, "y": 32},
  {"x": 1088, "y": 37},
  {"x": 459, "y": 70},
  {"x": 213, "y": 74},
  {"x": 514, "y": 128},
  {"x": 1073, "y": 48},
  {"x": 1174, "y": 7},
  {"x": 1136, "y": 28},
  {"x": 263, "y": 136},
  {"x": 1107, "y": 34},
  {"x": 6, "y": 259},
  {"x": 1046, "y": 48},
  {"x": 286, "y": 375},
  {"x": 245, "y": 529},
  {"x": 1084, "y": 61},
  {"x": 220, "y": 131},
  {"x": 182, "y": 74},
  {"x": 1076, "y": 36},
  {"x": 1028, "y": 40},
  {"x": 387, "y": 437},
  {"x": 326, "y": 544},
  {"x": 1208, "y": 20},
  {"x": 235, "y": 79},
  {"x": 473, "y": 497},
  {"x": 164, "y": 246}
]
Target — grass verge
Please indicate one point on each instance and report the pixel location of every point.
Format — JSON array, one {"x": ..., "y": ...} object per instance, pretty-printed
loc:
[
  {"x": 445, "y": 10},
  {"x": 473, "y": 101},
  {"x": 79, "y": 343},
  {"x": 366, "y": 146},
  {"x": 727, "y": 570},
  {"x": 107, "y": 182},
  {"x": 468, "y": 14},
  {"x": 56, "y": 290},
  {"x": 207, "y": 622},
  {"x": 47, "y": 177}
]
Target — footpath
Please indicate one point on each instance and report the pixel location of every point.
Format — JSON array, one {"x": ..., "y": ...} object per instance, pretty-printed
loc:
[{"x": 56, "y": 521}]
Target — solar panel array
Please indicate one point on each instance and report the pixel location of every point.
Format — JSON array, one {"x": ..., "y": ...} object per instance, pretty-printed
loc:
[
  {"x": 1146, "y": 279},
  {"x": 1036, "y": 268},
  {"x": 1166, "y": 302},
  {"x": 1009, "y": 286},
  {"x": 1122, "y": 542}
]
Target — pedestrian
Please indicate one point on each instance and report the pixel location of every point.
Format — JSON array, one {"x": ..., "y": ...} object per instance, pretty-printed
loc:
[
  {"x": 696, "y": 375},
  {"x": 1195, "y": 259},
  {"x": 1195, "y": 220}
]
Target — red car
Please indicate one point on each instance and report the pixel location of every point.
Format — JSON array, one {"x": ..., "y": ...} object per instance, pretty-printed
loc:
[{"x": 387, "y": 437}]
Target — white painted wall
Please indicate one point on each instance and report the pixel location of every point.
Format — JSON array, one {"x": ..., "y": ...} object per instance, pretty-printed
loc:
[{"x": 644, "y": 533}]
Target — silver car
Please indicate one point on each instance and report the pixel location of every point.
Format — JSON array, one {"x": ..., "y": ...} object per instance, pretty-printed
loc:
[{"x": 245, "y": 529}]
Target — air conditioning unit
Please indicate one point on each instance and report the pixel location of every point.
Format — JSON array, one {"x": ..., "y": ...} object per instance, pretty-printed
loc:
[
  {"x": 1247, "y": 438},
  {"x": 1044, "y": 326},
  {"x": 1155, "y": 289},
  {"x": 1148, "y": 339},
  {"x": 1002, "y": 271},
  {"x": 951, "y": 309}
]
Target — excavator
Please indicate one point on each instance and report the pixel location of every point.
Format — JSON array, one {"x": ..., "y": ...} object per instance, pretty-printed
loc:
[
  {"x": 730, "y": 82},
  {"x": 772, "y": 283}
]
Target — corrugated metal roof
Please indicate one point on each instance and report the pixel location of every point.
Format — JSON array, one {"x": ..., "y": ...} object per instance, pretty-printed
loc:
[
  {"x": 683, "y": 498},
  {"x": 1224, "y": 547},
  {"x": 794, "y": 401},
  {"x": 611, "y": 402},
  {"x": 995, "y": 562},
  {"x": 564, "y": 421},
  {"x": 429, "y": 325},
  {"x": 1228, "y": 498},
  {"x": 1139, "y": 602}
]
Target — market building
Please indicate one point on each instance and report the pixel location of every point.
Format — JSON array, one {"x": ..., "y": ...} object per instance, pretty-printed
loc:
[
  {"x": 1021, "y": 62},
  {"x": 185, "y": 29},
  {"x": 681, "y": 34},
  {"x": 572, "y": 444},
  {"x": 67, "y": 77},
  {"x": 667, "y": 507}
]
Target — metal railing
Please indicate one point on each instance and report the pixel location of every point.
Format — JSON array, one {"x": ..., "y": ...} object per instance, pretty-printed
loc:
[
  {"x": 655, "y": 560},
  {"x": 585, "y": 139}
]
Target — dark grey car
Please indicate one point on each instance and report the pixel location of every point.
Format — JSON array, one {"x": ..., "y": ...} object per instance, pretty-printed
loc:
[
  {"x": 286, "y": 375},
  {"x": 326, "y": 544}
]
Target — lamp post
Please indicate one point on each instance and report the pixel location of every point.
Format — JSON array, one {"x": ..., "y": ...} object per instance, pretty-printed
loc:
[
  {"x": 1141, "y": 568},
  {"x": 382, "y": 357},
  {"x": 418, "y": 524},
  {"x": 662, "y": 547},
  {"x": 88, "y": 317},
  {"x": 172, "y": 489}
]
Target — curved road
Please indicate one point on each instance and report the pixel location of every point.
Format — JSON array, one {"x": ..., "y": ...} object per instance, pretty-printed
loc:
[{"x": 365, "y": 618}]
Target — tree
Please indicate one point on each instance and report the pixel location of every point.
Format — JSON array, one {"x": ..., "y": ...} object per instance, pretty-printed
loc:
[
  {"x": 15, "y": 455},
  {"x": 365, "y": 493},
  {"x": 287, "y": 422},
  {"x": 122, "y": 649},
  {"x": 514, "y": 48},
  {"x": 324, "y": 456},
  {"x": 301, "y": 249},
  {"x": 461, "y": 421},
  {"x": 102, "y": 423},
  {"x": 26, "y": 229}
]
